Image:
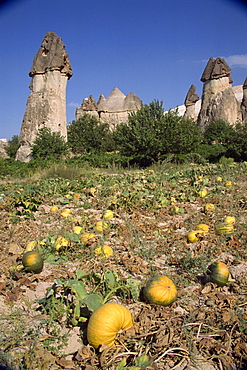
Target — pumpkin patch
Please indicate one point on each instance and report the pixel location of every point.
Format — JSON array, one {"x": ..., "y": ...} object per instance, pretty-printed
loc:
[{"x": 151, "y": 223}]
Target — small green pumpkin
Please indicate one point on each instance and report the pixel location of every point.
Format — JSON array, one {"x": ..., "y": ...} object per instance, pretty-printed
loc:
[
  {"x": 32, "y": 262},
  {"x": 219, "y": 273},
  {"x": 160, "y": 290}
]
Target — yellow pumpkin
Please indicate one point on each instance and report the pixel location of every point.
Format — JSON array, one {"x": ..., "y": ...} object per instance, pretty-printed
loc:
[
  {"x": 229, "y": 220},
  {"x": 66, "y": 212},
  {"x": 219, "y": 273},
  {"x": 228, "y": 184},
  {"x": 104, "y": 251},
  {"x": 106, "y": 322},
  {"x": 32, "y": 262},
  {"x": 209, "y": 207},
  {"x": 86, "y": 238},
  {"x": 202, "y": 193},
  {"x": 160, "y": 290},
  {"x": 77, "y": 229},
  {"x": 192, "y": 237},
  {"x": 203, "y": 227},
  {"x": 108, "y": 214},
  {"x": 101, "y": 226},
  {"x": 224, "y": 229}
]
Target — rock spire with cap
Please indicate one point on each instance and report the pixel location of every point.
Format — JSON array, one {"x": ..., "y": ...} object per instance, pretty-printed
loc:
[
  {"x": 114, "y": 109},
  {"x": 190, "y": 102},
  {"x": 46, "y": 105},
  {"x": 218, "y": 98},
  {"x": 244, "y": 102}
]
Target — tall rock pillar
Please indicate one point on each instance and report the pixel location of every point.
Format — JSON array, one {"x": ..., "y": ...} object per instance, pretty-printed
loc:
[
  {"x": 244, "y": 102},
  {"x": 46, "y": 105},
  {"x": 190, "y": 102},
  {"x": 218, "y": 98}
]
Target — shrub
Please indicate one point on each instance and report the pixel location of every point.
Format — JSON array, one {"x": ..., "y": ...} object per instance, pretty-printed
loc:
[
  {"x": 237, "y": 147},
  {"x": 218, "y": 132},
  {"x": 211, "y": 153},
  {"x": 12, "y": 146},
  {"x": 49, "y": 145},
  {"x": 150, "y": 134},
  {"x": 87, "y": 135}
]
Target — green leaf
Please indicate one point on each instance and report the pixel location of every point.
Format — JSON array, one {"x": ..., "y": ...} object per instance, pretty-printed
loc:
[
  {"x": 122, "y": 364},
  {"x": 143, "y": 361},
  {"x": 72, "y": 237},
  {"x": 93, "y": 301},
  {"x": 81, "y": 274},
  {"x": 111, "y": 279},
  {"x": 78, "y": 288},
  {"x": 134, "y": 287}
]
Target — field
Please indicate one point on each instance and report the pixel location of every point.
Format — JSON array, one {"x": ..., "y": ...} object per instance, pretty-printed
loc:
[{"x": 44, "y": 316}]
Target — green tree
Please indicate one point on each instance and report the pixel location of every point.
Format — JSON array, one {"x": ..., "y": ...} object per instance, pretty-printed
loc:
[
  {"x": 49, "y": 145},
  {"x": 218, "y": 132},
  {"x": 12, "y": 146},
  {"x": 237, "y": 146},
  {"x": 87, "y": 135},
  {"x": 140, "y": 137},
  {"x": 150, "y": 134},
  {"x": 181, "y": 135}
]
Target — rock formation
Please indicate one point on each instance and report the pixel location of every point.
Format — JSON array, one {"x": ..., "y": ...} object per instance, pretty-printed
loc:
[
  {"x": 88, "y": 106},
  {"x": 190, "y": 102},
  {"x": 244, "y": 102},
  {"x": 3, "y": 143},
  {"x": 114, "y": 109},
  {"x": 218, "y": 98},
  {"x": 46, "y": 105}
]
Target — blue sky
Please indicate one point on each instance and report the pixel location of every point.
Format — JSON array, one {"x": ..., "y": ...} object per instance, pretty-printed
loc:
[{"x": 155, "y": 49}]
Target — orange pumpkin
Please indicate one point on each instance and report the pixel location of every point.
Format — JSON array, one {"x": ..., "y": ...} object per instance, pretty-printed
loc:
[
  {"x": 106, "y": 322},
  {"x": 32, "y": 262},
  {"x": 160, "y": 290}
]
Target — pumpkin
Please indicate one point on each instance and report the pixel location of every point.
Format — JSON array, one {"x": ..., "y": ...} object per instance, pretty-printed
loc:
[
  {"x": 209, "y": 207},
  {"x": 108, "y": 214},
  {"x": 224, "y": 229},
  {"x": 203, "y": 227},
  {"x": 228, "y": 184},
  {"x": 219, "y": 273},
  {"x": 77, "y": 229},
  {"x": 61, "y": 242},
  {"x": 202, "y": 193},
  {"x": 66, "y": 212},
  {"x": 229, "y": 220},
  {"x": 106, "y": 322},
  {"x": 87, "y": 238},
  {"x": 192, "y": 237},
  {"x": 101, "y": 226},
  {"x": 160, "y": 290},
  {"x": 32, "y": 262},
  {"x": 104, "y": 251}
]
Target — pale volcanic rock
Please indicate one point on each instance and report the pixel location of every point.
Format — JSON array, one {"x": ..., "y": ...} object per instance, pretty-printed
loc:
[{"x": 46, "y": 105}]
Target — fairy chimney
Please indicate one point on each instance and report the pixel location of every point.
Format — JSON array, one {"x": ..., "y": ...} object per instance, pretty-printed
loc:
[
  {"x": 113, "y": 110},
  {"x": 190, "y": 103},
  {"x": 218, "y": 98},
  {"x": 46, "y": 104},
  {"x": 244, "y": 102}
]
